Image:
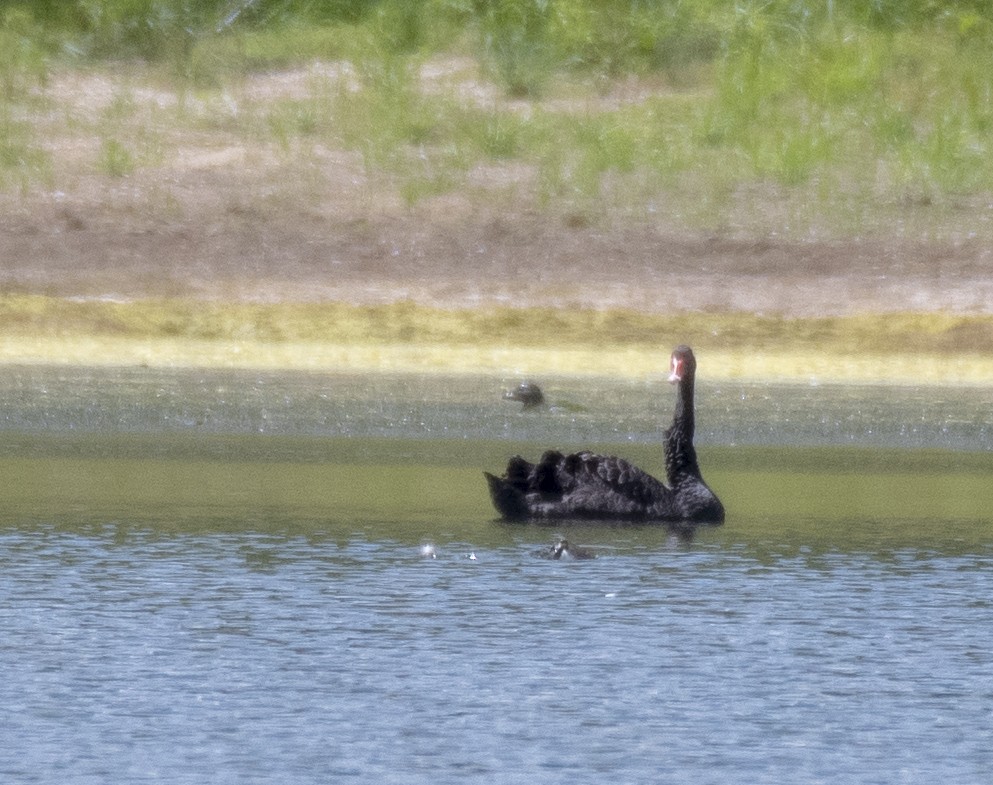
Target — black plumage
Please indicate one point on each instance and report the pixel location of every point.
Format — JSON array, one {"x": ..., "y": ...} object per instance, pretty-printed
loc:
[{"x": 587, "y": 486}]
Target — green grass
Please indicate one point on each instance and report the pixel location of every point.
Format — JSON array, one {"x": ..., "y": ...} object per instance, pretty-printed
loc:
[
  {"x": 847, "y": 116},
  {"x": 23, "y": 70}
]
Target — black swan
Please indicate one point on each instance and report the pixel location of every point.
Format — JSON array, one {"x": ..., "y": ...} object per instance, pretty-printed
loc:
[
  {"x": 527, "y": 393},
  {"x": 586, "y": 486}
]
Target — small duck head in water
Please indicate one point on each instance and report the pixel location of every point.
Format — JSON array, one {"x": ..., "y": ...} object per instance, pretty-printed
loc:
[
  {"x": 565, "y": 550},
  {"x": 528, "y": 393}
]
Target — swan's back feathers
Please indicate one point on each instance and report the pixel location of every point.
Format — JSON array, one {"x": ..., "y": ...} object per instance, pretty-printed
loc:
[
  {"x": 581, "y": 485},
  {"x": 607, "y": 474}
]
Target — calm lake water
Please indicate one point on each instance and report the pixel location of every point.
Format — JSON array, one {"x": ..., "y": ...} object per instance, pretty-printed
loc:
[{"x": 254, "y": 578}]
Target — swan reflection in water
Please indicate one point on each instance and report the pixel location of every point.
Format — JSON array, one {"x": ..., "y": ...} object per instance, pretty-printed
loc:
[{"x": 585, "y": 486}]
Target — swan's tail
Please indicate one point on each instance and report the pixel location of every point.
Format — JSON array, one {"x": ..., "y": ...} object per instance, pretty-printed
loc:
[{"x": 508, "y": 500}]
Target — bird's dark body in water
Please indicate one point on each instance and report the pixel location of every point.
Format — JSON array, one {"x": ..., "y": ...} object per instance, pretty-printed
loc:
[
  {"x": 586, "y": 486},
  {"x": 565, "y": 551},
  {"x": 528, "y": 393}
]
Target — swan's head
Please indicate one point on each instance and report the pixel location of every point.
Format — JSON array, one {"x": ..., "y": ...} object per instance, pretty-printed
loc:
[
  {"x": 682, "y": 364},
  {"x": 527, "y": 393}
]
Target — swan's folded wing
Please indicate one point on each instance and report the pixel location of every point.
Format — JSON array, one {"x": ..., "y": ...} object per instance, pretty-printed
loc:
[{"x": 606, "y": 484}]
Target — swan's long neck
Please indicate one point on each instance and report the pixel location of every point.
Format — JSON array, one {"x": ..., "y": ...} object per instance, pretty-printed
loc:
[{"x": 680, "y": 455}]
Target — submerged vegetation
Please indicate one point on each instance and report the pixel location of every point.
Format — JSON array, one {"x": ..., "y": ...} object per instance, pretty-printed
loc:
[{"x": 853, "y": 110}]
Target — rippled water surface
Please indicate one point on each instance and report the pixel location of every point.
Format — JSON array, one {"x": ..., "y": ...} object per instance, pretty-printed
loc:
[{"x": 234, "y": 577}]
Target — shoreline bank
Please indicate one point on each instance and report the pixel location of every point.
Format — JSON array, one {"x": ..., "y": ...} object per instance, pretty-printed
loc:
[
  {"x": 803, "y": 367},
  {"x": 406, "y": 337}
]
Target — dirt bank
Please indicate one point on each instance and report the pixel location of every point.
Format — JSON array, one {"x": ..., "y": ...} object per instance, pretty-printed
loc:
[
  {"x": 213, "y": 214},
  {"x": 216, "y": 241}
]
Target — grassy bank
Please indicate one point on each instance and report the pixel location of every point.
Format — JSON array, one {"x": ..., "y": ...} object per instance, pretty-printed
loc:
[
  {"x": 405, "y": 337},
  {"x": 751, "y": 117},
  {"x": 141, "y": 129}
]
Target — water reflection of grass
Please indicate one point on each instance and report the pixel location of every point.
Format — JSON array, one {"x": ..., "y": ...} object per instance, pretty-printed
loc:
[{"x": 404, "y": 336}]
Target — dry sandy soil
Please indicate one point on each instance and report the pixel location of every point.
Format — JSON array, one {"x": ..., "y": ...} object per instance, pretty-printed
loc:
[{"x": 218, "y": 217}]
